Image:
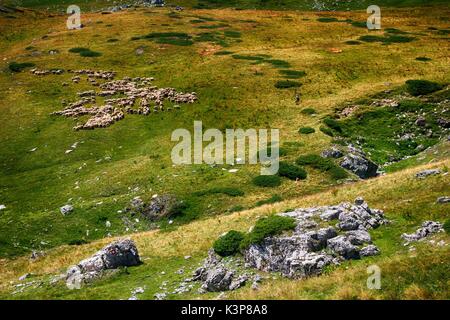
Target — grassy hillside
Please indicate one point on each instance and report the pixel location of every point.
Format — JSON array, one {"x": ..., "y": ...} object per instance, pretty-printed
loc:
[
  {"x": 406, "y": 201},
  {"x": 238, "y": 62}
]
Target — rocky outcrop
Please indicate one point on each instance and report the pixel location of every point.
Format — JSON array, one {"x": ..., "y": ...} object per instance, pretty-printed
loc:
[
  {"x": 308, "y": 250},
  {"x": 333, "y": 152},
  {"x": 357, "y": 162},
  {"x": 426, "y": 173},
  {"x": 428, "y": 228},
  {"x": 157, "y": 208},
  {"x": 121, "y": 253},
  {"x": 216, "y": 276}
]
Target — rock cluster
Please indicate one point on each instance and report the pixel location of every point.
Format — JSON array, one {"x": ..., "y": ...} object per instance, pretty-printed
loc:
[
  {"x": 117, "y": 254},
  {"x": 426, "y": 173},
  {"x": 309, "y": 249},
  {"x": 428, "y": 228},
  {"x": 157, "y": 208},
  {"x": 216, "y": 276},
  {"x": 46, "y": 72},
  {"x": 357, "y": 162},
  {"x": 120, "y": 97}
]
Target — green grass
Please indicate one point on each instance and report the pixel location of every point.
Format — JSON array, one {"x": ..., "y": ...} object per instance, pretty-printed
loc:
[
  {"x": 19, "y": 67},
  {"x": 292, "y": 74},
  {"x": 232, "y": 192}
]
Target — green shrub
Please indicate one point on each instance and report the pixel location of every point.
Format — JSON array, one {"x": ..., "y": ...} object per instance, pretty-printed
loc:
[
  {"x": 267, "y": 181},
  {"x": 337, "y": 173},
  {"x": 332, "y": 124},
  {"x": 293, "y": 74},
  {"x": 278, "y": 63},
  {"x": 327, "y": 19},
  {"x": 308, "y": 111},
  {"x": 286, "y": 84},
  {"x": 228, "y": 244},
  {"x": 421, "y": 87},
  {"x": 291, "y": 171},
  {"x": 251, "y": 58},
  {"x": 423, "y": 59},
  {"x": 447, "y": 226},
  {"x": 78, "y": 50},
  {"x": 18, "y": 67},
  {"x": 232, "y": 34},
  {"x": 352, "y": 42},
  {"x": 315, "y": 161},
  {"x": 327, "y": 131},
  {"x": 273, "y": 199},
  {"x": 223, "y": 53},
  {"x": 306, "y": 130},
  {"x": 266, "y": 227},
  {"x": 282, "y": 152},
  {"x": 90, "y": 54}
]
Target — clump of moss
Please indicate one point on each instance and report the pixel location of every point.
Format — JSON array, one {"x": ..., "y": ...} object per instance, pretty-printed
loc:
[
  {"x": 306, "y": 130},
  {"x": 228, "y": 244},
  {"x": 267, "y": 181},
  {"x": 286, "y": 84},
  {"x": 421, "y": 87},
  {"x": 291, "y": 171},
  {"x": 19, "y": 67}
]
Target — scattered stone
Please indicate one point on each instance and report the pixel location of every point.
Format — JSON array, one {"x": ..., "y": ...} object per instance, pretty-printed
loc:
[
  {"x": 160, "y": 296},
  {"x": 428, "y": 228},
  {"x": 421, "y": 122},
  {"x": 65, "y": 210},
  {"x": 36, "y": 255},
  {"x": 426, "y": 173},
  {"x": 25, "y": 276},
  {"x": 2, "y": 207},
  {"x": 121, "y": 253},
  {"x": 157, "y": 208},
  {"x": 444, "y": 199}
]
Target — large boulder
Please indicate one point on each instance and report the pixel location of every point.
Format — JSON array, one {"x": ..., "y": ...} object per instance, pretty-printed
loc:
[
  {"x": 357, "y": 162},
  {"x": 121, "y": 253}
]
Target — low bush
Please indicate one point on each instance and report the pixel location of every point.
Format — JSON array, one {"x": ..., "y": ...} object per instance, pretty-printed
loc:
[
  {"x": 228, "y": 244},
  {"x": 223, "y": 53},
  {"x": 327, "y": 19},
  {"x": 293, "y": 74},
  {"x": 266, "y": 227},
  {"x": 352, "y": 42},
  {"x": 333, "y": 124},
  {"x": 421, "y": 87},
  {"x": 327, "y": 131},
  {"x": 337, "y": 173},
  {"x": 19, "y": 67},
  {"x": 90, "y": 54},
  {"x": 267, "y": 181},
  {"x": 447, "y": 226},
  {"x": 308, "y": 111},
  {"x": 423, "y": 59},
  {"x": 306, "y": 130},
  {"x": 278, "y": 63},
  {"x": 286, "y": 84},
  {"x": 291, "y": 171},
  {"x": 315, "y": 161}
]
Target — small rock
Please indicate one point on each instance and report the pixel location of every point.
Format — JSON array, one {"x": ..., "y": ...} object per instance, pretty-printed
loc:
[
  {"x": 444, "y": 199},
  {"x": 426, "y": 173},
  {"x": 66, "y": 209}
]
